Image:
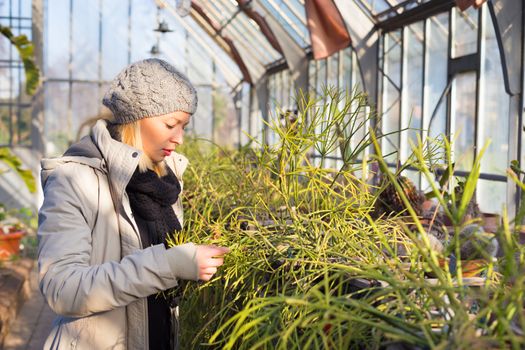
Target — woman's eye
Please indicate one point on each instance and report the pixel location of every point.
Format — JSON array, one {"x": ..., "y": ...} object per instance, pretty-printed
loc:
[{"x": 170, "y": 126}]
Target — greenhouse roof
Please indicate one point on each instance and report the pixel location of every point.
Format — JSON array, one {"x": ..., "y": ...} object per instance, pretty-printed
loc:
[{"x": 257, "y": 35}]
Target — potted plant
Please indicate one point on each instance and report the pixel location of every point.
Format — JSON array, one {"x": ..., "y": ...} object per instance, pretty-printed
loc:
[{"x": 12, "y": 230}]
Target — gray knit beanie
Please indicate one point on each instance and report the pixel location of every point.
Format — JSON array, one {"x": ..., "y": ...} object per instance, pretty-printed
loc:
[{"x": 149, "y": 88}]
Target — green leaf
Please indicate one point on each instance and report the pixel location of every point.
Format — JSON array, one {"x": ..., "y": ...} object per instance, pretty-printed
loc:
[
  {"x": 15, "y": 163},
  {"x": 25, "y": 49}
]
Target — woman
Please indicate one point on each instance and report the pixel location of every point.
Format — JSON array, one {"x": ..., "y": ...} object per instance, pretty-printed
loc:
[{"x": 109, "y": 203}]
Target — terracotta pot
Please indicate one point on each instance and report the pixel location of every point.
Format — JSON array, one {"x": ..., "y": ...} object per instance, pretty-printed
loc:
[
  {"x": 473, "y": 268},
  {"x": 469, "y": 268},
  {"x": 10, "y": 244}
]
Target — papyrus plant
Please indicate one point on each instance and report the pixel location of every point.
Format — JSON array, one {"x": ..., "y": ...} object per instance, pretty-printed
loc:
[{"x": 310, "y": 268}]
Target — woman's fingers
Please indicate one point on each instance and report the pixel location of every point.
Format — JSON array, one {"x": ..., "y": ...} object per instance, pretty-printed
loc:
[
  {"x": 216, "y": 262},
  {"x": 209, "y": 258},
  {"x": 215, "y": 251},
  {"x": 205, "y": 277},
  {"x": 209, "y": 270}
]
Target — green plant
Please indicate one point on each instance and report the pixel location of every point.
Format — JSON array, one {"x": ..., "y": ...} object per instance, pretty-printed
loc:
[
  {"x": 25, "y": 50},
  {"x": 23, "y": 219},
  {"x": 15, "y": 164},
  {"x": 312, "y": 268}
]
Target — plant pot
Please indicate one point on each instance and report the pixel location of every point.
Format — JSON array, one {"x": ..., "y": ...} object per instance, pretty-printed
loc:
[
  {"x": 473, "y": 268},
  {"x": 10, "y": 244},
  {"x": 469, "y": 268}
]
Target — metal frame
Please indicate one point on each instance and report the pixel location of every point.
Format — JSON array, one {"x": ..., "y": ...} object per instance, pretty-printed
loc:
[
  {"x": 455, "y": 66},
  {"x": 261, "y": 22},
  {"x": 263, "y": 47},
  {"x": 234, "y": 53},
  {"x": 419, "y": 13},
  {"x": 393, "y": 9},
  {"x": 288, "y": 20},
  {"x": 230, "y": 75},
  {"x": 15, "y": 70},
  {"x": 398, "y": 87}
]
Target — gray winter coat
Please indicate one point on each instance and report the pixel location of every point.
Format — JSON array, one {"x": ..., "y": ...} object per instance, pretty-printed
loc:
[{"x": 93, "y": 271}]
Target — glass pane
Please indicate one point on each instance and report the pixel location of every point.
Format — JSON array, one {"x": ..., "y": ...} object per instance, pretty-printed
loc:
[
  {"x": 321, "y": 77},
  {"x": 465, "y": 36},
  {"x": 436, "y": 75},
  {"x": 332, "y": 63},
  {"x": 292, "y": 90},
  {"x": 287, "y": 99},
  {"x": 333, "y": 70},
  {"x": 391, "y": 93},
  {"x": 203, "y": 125},
  {"x": 247, "y": 31},
  {"x": 84, "y": 109},
  {"x": 494, "y": 107},
  {"x": 278, "y": 90},
  {"x": 114, "y": 37},
  {"x": 22, "y": 132},
  {"x": 297, "y": 8},
  {"x": 86, "y": 27},
  {"x": 25, "y": 8},
  {"x": 256, "y": 118},
  {"x": 57, "y": 39},
  {"x": 294, "y": 25},
  {"x": 5, "y": 84},
  {"x": 491, "y": 196},
  {"x": 359, "y": 127},
  {"x": 175, "y": 48},
  {"x": 373, "y": 7},
  {"x": 15, "y": 8},
  {"x": 5, "y": 125},
  {"x": 414, "y": 176},
  {"x": 17, "y": 75},
  {"x": 320, "y": 85},
  {"x": 57, "y": 121},
  {"x": 346, "y": 74},
  {"x": 272, "y": 105},
  {"x": 226, "y": 127},
  {"x": 414, "y": 83},
  {"x": 143, "y": 21},
  {"x": 5, "y": 47},
  {"x": 220, "y": 12},
  {"x": 4, "y": 9},
  {"x": 463, "y": 119},
  {"x": 199, "y": 66},
  {"x": 312, "y": 75},
  {"x": 357, "y": 80},
  {"x": 244, "y": 106}
]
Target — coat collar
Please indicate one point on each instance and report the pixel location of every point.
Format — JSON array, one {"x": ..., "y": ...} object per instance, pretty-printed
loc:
[{"x": 122, "y": 160}]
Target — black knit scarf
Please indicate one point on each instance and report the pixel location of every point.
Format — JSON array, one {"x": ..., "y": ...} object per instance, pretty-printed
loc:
[{"x": 151, "y": 198}]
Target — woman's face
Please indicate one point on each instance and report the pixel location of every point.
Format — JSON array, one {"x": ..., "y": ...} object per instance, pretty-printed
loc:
[{"x": 160, "y": 135}]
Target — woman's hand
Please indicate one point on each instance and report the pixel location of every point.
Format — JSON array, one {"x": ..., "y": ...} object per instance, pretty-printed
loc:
[{"x": 209, "y": 258}]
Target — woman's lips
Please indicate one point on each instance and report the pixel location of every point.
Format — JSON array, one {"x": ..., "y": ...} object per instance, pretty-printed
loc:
[{"x": 167, "y": 152}]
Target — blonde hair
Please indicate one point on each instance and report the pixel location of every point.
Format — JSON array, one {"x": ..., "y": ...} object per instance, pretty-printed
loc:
[{"x": 129, "y": 134}]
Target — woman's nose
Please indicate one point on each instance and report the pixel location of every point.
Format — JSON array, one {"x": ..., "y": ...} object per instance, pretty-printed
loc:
[{"x": 178, "y": 137}]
